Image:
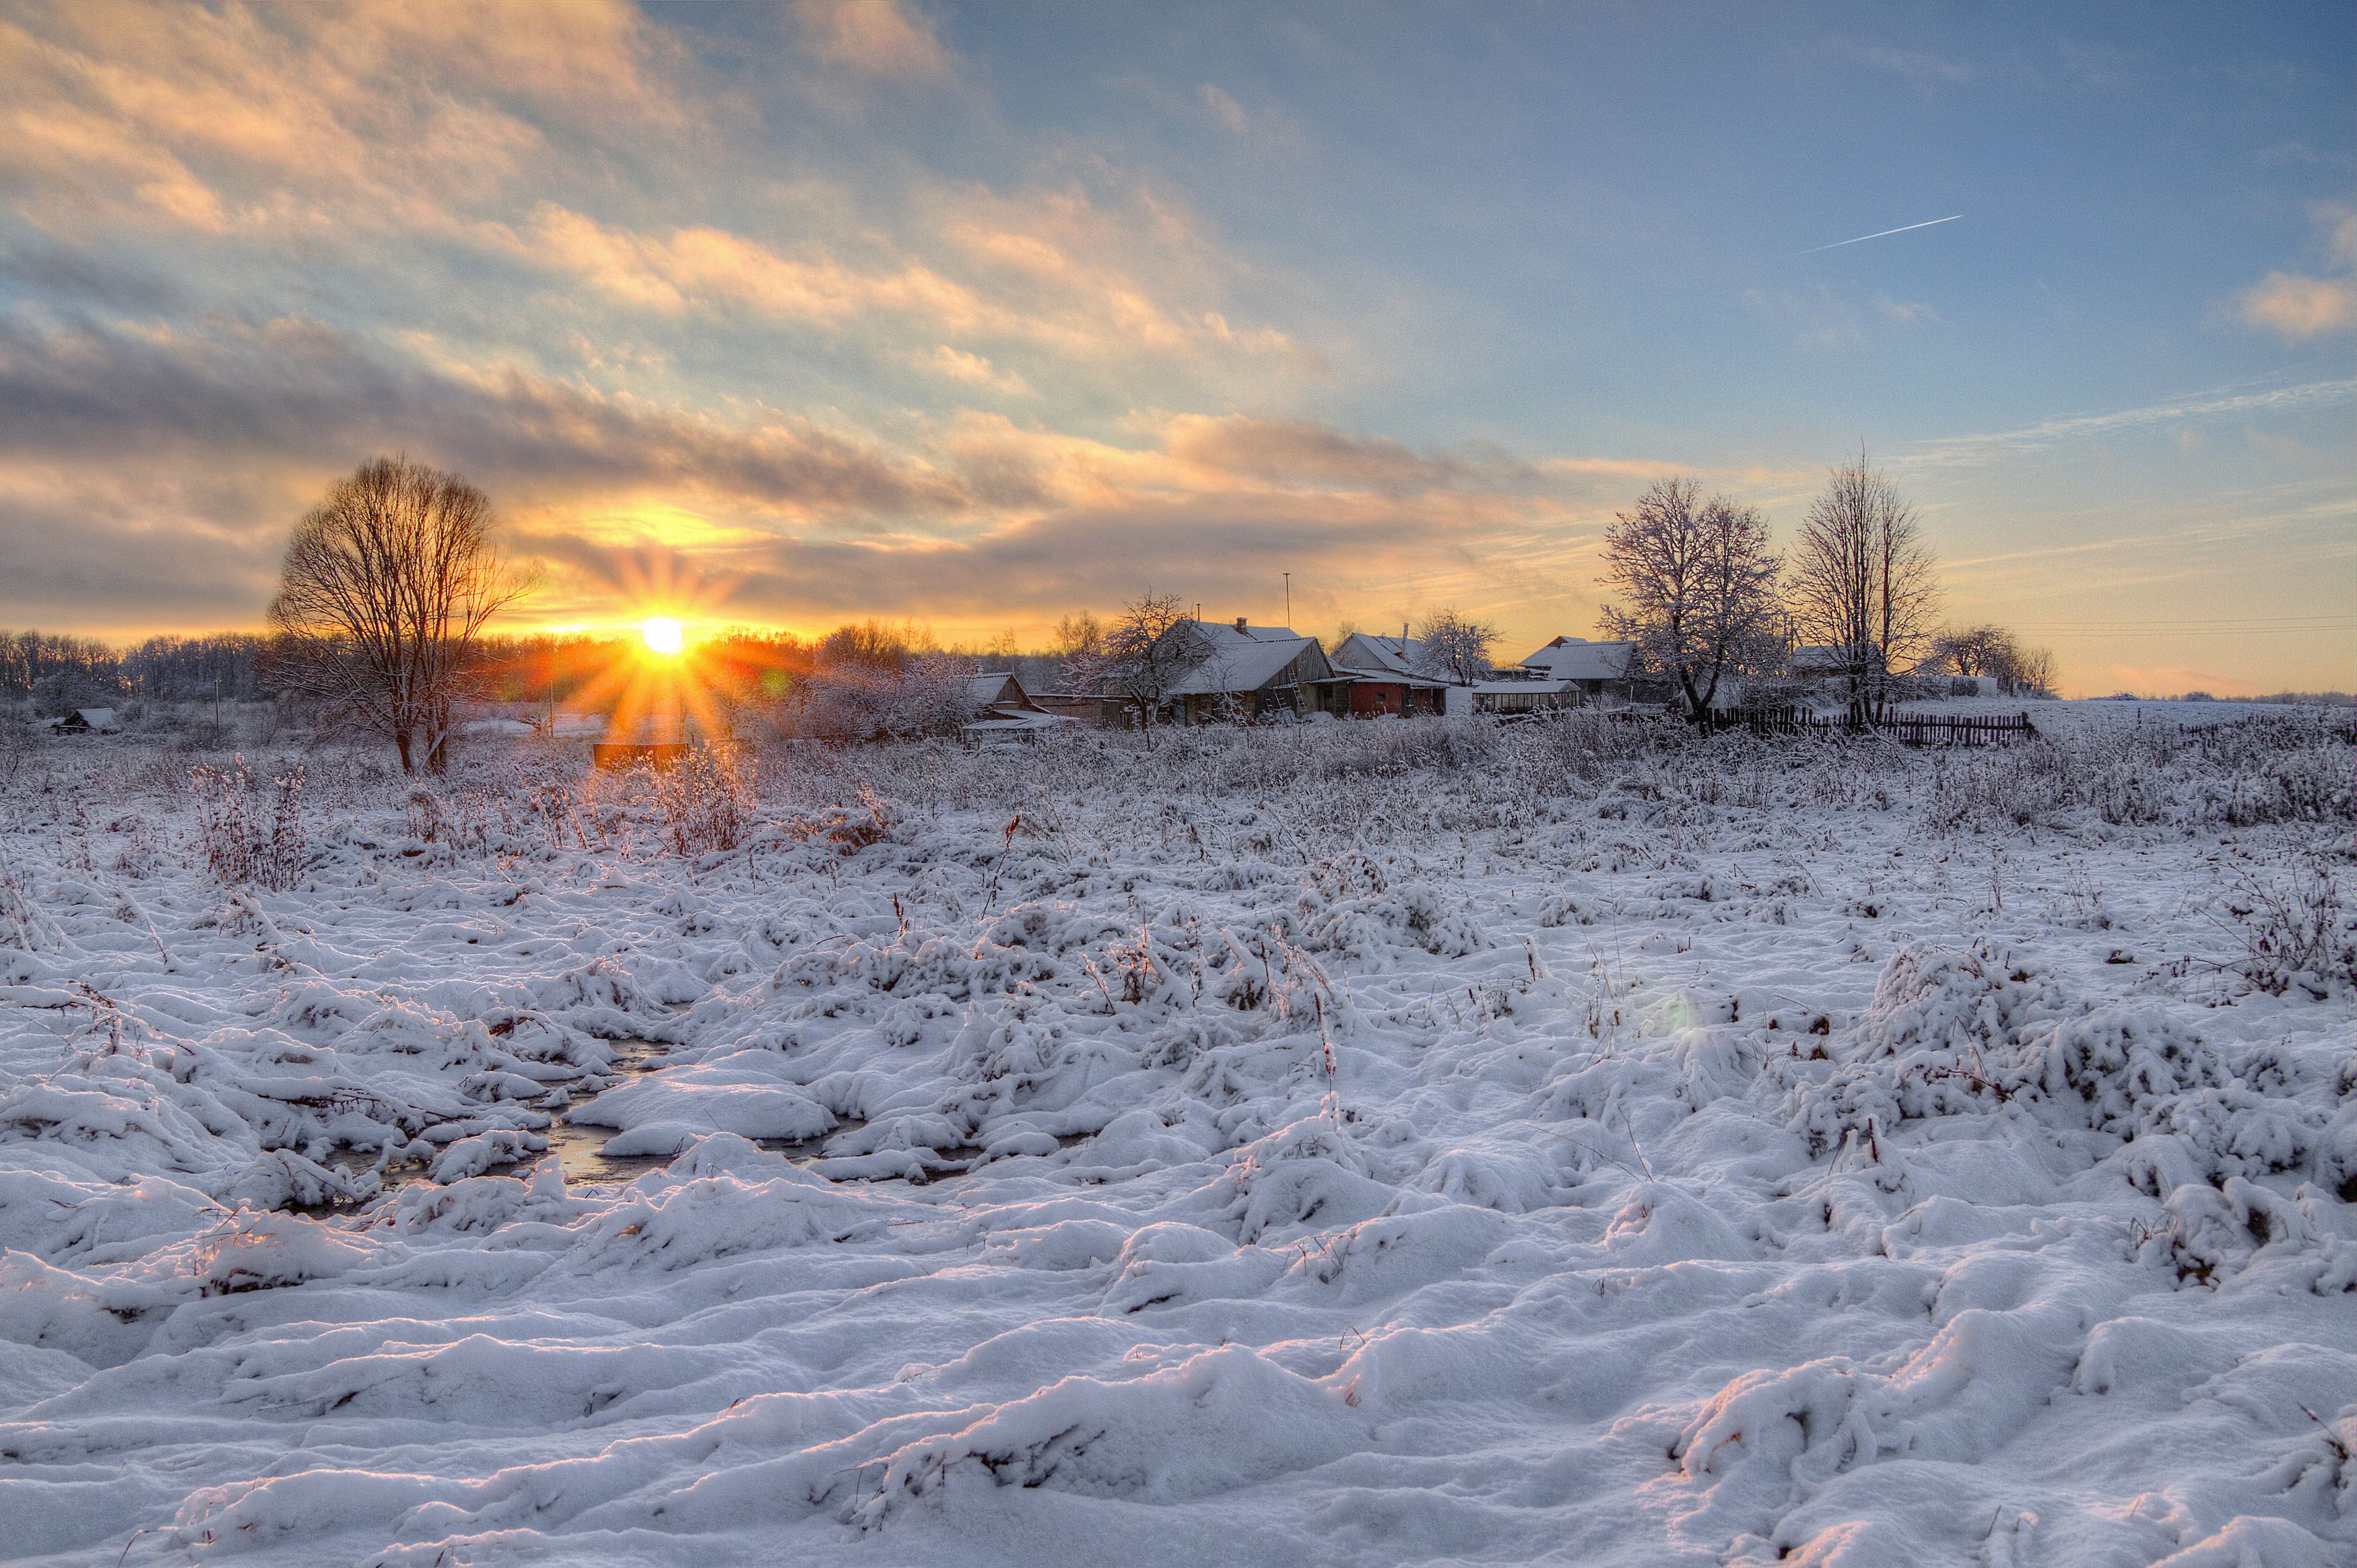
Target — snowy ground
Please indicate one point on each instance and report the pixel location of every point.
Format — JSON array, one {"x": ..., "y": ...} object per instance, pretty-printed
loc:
[{"x": 1419, "y": 1143}]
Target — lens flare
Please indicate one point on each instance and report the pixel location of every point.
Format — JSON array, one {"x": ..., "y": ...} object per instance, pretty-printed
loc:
[{"x": 662, "y": 634}]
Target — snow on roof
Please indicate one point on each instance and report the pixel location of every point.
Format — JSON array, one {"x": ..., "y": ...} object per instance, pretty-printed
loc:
[
  {"x": 1364, "y": 650},
  {"x": 1008, "y": 724},
  {"x": 989, "y": 686},
  {"x": 1240, "y": 663},
  {"x": 1577, "y": 658},
  {"x": 1396, "y": 658},
  {"x": 1220, "y": 634},
  {"x": 96, "y": 718},
  {"x": 1523, "y": 688}
]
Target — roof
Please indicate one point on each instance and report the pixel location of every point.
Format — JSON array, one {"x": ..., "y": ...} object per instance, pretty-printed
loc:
[
  {"x": 998, "y": 721},
  {"x": 1224, "y": 633},
  {"x": 94, "y": 718},
  {"x": 1523, "y": 688},
  {"x": 1391, "y": 657},
  {"x": 1577, "y": 658},
  {"x": 1241, "y": 664},
  {"x": 987, "y": 686},
  {"x": 1387, "y": 655}
]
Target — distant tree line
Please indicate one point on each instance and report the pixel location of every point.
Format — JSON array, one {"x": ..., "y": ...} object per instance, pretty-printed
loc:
[{"x": 60, "y": 671}]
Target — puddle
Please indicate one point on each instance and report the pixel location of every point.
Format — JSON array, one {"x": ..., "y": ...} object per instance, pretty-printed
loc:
[{"x": 579, "y": 1146}]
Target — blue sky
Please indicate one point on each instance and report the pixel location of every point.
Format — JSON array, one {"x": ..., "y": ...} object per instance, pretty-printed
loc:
[{"x": 977, "y": 314}]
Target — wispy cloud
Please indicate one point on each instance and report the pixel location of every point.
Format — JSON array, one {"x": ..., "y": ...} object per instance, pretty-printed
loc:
[
  {"x": 1920, "y": 67},
  {"x": 1823, "y": 321},
  {"x": 879, "y": 37},
  {"x": 970, "y": 518},
  {"x": 2297, "y": 309},
  {"x": 1960, "y": 451}
]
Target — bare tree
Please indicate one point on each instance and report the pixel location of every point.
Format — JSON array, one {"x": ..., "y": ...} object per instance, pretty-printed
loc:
[
  {"x": 1454, "y": 647},
  {"x": 1698, "y": 588},
  {"x": 1862, "y": 583},
  {"x": 385, "y": 586},
  {"x": 1993, "y": 650},
  {"x": 1080, "y": 638},
  {"x": 2034, "y": 672},
  {"x": 1141, "y": 656},
  {"x": 870, "y": 644},
  {"x": 1984, "y": 650}
]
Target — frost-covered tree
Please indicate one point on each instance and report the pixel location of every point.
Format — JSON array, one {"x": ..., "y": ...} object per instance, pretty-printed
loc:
[
  {"x": 1992, "y": 651},
  {"x": 1140, "y": 656},
  {"x": 1862, "y": 583},
  {"x": 1450, "y": 646},
  {"x": 1080, "y": 638},
  {"x": 1695, "y": 587},
  {"x": 385, "y": 587}
]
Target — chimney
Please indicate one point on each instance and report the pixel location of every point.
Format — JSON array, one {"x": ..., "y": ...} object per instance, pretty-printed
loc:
[{"x": 1240, "y": 623}]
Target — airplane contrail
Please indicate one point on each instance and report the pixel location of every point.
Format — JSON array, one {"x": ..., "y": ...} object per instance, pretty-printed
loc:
[{"x": 1837, "y": 244}]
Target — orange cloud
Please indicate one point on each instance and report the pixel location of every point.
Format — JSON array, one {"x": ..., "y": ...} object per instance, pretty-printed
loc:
[
  {"x": 711, "y": 267},
  {"x": 305, "y": 117},
  {"x": 2297, "y": 308}
]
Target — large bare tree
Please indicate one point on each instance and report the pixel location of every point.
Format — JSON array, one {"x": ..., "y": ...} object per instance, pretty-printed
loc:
[
  {"x": 1696, "y": 587},
  {"x": 1451, "y": 646},
  {"x": 1141, "y": 656},
  {"x": 386, "y": 583},
  {"x": 1863, "y": 584}
]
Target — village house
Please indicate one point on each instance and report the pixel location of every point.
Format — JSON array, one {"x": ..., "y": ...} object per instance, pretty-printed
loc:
[
  {"x": 1387, "y": 677},
  {"x": 1598, "y": 671},
  {"x": 1004, "y": 710},
  {"x": 1241, "y": 671}
]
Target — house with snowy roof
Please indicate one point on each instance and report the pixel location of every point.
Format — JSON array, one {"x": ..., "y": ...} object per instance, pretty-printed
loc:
[
  {"x": 1235, "y": 671},
  {"x": 1002, "y": 710},
  {"x": 1388, "y": 676},
  {"x": 1591, "y": 671}
]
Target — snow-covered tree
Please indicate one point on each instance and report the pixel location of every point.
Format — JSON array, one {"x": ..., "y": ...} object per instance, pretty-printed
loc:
[
  {"x": 1862, "y": 583},
  {"x": 1140, "y": 658},
  {"x": 385, "y": 588},
  {"x": 1450, "y": 646},
  {"x": 1697, "y": 589}
]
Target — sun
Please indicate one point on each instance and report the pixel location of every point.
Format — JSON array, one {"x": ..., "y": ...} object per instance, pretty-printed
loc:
[{"x": 662, "y": 634}]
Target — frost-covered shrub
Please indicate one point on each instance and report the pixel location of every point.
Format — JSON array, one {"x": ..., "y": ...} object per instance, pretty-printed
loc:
[
  {"x": 704, "y": 801},
  {"x": 246, "y": 838},
  {"x": 2010, "y": 786},
  {"x": 2295, "y": 933},
  {"x": 1974, "y": 1033}
]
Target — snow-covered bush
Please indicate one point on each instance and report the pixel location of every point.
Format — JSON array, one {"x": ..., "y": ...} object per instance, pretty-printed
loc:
[
  {"x": 705, "y": 800},
  {"x": 246, "y": 837},
  {"x": 2296, "y": 930}
]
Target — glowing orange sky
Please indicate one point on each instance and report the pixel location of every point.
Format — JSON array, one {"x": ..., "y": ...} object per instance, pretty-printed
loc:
[{"x": 975, "y": 316}]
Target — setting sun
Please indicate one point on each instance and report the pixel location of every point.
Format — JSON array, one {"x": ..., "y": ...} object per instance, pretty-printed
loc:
[{"x": 662, "y": 634}]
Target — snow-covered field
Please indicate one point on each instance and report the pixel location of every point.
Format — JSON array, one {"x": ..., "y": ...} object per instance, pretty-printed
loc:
[{"x": 1391, "y": 1144}]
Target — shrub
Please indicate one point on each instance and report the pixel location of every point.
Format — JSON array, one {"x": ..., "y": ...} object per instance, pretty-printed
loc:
[
  {"x": 705, "y": 802},
  {"x": 245, "y": 838},
  {"x": 2295, "y": 933}
]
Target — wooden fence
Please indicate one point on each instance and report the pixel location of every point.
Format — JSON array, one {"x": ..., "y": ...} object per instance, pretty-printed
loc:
[{"x": 1907, "y": 729}]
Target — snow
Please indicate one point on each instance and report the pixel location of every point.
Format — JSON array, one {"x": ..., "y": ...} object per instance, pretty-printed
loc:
[{"x": 1372, "y": 1143}]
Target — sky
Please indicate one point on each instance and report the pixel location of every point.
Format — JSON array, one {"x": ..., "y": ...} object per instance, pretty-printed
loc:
[{"x": 977, "y": 315}]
